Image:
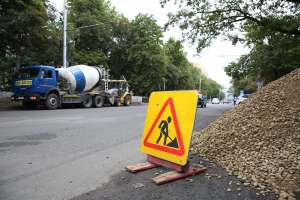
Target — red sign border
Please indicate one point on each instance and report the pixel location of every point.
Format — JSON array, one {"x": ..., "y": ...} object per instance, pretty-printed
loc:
[{"x": 178, "y": 152}]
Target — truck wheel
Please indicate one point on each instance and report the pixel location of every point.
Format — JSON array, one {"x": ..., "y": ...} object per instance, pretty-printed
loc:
[
  {"x": 127, "y": 100},
  {"x": 202, "y": 105},
  {"x": 51, "y": 102},
  {"x": 28, "y": 105},
  {"x": 98, "y": 101},
  {"x": 117, "y": 102},
  {"x": 87, "y": 101}
]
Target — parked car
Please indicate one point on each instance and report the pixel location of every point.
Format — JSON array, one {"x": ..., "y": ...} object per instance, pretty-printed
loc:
[
  {"x": 215, "y": 101},
  {"x": 225, "y": 101},
  {"x": 241, "y": 98},
  {"x": 202, "y": 100}
]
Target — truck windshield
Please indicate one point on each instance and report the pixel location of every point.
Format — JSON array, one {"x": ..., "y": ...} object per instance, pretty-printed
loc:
[
  {"x": 125, "y": 87},
  {"x": 28, "y": 73},
  {"x": 115, "y": 85}
]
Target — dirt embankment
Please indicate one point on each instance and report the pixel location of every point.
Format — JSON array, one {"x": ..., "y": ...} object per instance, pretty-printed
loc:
[{"x": 259, "y": 140}]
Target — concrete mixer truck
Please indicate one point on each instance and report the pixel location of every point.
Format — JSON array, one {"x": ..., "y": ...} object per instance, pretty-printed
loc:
[{"x": 79, "y": 86}]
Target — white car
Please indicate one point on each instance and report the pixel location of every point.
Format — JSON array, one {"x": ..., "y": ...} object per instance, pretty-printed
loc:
[
  {"x": 225, "y": 101},
  {"x": 215, "y": 101},
  {"x": 241, "y": 98}
]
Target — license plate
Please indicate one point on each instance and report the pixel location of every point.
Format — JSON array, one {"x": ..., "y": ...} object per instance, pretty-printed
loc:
[
  {"x": 23, "y": 82},
  {"x": 20, "y": 97}
]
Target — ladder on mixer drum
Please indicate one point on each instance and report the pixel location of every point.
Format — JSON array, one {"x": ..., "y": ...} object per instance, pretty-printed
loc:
[{"x": 106, "y": 79}]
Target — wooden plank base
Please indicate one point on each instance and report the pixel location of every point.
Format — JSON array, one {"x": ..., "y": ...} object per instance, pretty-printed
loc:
[
  {"x": 175, "y": 175},
  {"x": 140, "y": 167}
]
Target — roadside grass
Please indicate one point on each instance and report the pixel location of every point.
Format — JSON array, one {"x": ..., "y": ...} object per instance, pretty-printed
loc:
[{"x": 6, "y": 104}]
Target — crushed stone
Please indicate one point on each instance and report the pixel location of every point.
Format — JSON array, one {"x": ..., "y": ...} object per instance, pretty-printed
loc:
[{"x": 259, "y": 140}]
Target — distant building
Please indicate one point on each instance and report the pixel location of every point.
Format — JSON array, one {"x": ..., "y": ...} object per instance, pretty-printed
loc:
[{"x": 203, "y": 69}]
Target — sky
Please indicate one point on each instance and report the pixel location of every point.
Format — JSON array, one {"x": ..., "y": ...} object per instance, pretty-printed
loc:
[{"x": 214, "y": 58}]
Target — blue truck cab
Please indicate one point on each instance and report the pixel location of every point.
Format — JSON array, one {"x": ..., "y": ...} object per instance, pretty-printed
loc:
[{"x": 36, "y": 85}]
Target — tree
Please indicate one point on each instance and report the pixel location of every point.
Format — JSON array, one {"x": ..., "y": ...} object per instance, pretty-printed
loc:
[
  {"x": 203, "y": 20},
  {"x": 122, "y": 41},
  {"x": 269, "y": 28},
  {"x": 272, "y": 58},
  {"x": 196, "y": 74},
  {"x": 146, "y": 55},
  {"x": 173, "y": 74},
  {"x": 93, "y": 19},
  {"x": 247, "y": 84},
  {"x": 178, "y": 64},
  {"x": 23, "y": 27},
  {"x": 25, "y": 34}
]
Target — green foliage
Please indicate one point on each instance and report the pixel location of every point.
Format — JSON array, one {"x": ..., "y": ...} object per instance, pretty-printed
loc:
[
  {"x": 119, "y": 62},
  {"x": 24, "y": 33},
  {"x": 213, "y": 89},
  {"x": 92, "y": 20},
  {"x": 31, "y": 33},
  {"x": 23, "y": 27},
  {"x": 203, "y": 20},
  {"x": 7, "y": 72},
  {"x": 52, "y": 54},
  {"x": 146, "y": 56},
  {"x": 269, "y": 28},
  {"x": 173, "y": 75},
  {"x": 86, "y": 57},
  {"x": 178, "y": 74},
  {"x": 247, "y": 84},
  {"x": 273, "y": 58}
]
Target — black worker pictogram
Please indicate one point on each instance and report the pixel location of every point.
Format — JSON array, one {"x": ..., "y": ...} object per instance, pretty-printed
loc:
[{"x": 164, "y": 130}]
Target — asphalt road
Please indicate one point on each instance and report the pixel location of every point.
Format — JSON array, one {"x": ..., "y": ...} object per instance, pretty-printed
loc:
[{"x": 65, "y": 153}]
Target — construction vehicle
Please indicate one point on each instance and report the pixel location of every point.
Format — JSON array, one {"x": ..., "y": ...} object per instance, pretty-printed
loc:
[
  {"x": 122, "y": 95},
  {"x": 79, "y": 86}
]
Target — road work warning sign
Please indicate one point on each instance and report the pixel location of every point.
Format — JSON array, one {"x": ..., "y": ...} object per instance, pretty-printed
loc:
[{"x": 169, "y": 125}]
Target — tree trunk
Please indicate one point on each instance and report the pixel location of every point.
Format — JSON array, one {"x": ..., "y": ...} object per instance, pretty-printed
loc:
[{"x": 18, "y": 63}]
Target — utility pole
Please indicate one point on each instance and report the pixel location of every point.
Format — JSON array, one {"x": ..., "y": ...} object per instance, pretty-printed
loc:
[
  {"x": 65, "y": 14},
  {"x": 200, "y": 83},
  {"x": 65, "y": 36}
]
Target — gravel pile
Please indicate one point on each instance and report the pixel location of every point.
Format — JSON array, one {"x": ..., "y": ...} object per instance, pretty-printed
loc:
[{"x": 259, "y": 140}]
